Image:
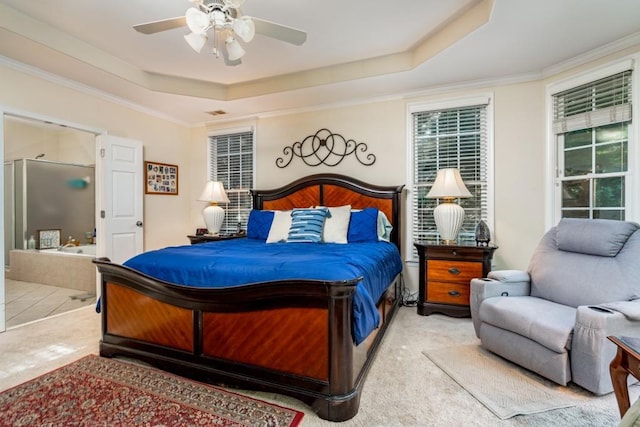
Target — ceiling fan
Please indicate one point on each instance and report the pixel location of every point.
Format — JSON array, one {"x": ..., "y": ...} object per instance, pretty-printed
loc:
[{"x": 224, "y": 21}]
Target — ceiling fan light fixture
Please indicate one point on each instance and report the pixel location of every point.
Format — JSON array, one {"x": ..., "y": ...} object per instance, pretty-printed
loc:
[
  {"x": 234, "y": 50},
  {"x": 218, "y": 19},
  {"x": 196, "y": 41},
  {"x": 244, "y": 28},
  {"x": 228, "y": 26},
  {"x": 197, "y": 21}
]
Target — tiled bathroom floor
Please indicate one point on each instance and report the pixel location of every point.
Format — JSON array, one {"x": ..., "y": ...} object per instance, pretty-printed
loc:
[{"x": 26, "y": 302}]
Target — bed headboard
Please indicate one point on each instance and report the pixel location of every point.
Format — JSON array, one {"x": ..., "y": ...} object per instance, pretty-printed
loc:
[{"x": 335, "y": 190}]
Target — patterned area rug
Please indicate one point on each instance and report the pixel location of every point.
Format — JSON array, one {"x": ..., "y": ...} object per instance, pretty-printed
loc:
[
  {"x": 100, "y": 391},
  {"x": 503, "y": 387}
]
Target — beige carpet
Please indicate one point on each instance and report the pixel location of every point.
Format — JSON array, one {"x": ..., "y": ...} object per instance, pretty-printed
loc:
[{"x": 504, "y": 388}]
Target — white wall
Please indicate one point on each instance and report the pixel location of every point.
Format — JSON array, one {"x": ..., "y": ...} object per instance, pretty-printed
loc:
[{"x": 166, "y": 218}]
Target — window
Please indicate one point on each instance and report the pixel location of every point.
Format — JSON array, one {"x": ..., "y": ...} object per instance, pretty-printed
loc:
[
  {"x": 450, "y": 138},
  {"x": 231, "y": 162},
  {"x": 591, "y": 124}
]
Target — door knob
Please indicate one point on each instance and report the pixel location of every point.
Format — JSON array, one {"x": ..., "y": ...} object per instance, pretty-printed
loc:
[{"x": 139, "y": 223}]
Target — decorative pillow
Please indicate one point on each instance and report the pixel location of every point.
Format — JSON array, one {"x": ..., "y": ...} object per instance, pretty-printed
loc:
[
  {"x": 384, "y": 227},
  {"x": 307, "y": 225},
  {"x": 336, "y": 226},
  {"x": 363, "y": 226},
  {"x": 279, "y": 227},
  {"x": 259, "y": 224}
]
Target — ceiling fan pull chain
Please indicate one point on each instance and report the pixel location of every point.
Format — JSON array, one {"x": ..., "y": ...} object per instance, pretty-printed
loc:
[{"x": 215, "y": 44}]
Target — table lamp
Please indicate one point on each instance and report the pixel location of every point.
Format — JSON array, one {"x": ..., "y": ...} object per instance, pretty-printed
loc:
[
  {"x": 213, "y": 214},
  {"x": 448, "y": 215}
]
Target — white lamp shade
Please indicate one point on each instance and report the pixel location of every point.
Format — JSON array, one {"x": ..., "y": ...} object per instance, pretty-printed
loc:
[
  {"x": 448, "y": 183},
  {"x": 197, "y": 21},
  {"x": 196, "y": 41},
  {"x": 234, "y": 49},
  {"x": 214, "y": 193},
  {"x": 244, "y": 28}
]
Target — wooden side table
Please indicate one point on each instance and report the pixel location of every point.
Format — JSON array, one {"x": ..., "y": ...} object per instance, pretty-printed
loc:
[
  {"x": 627, "y": 361},
  {"x": 210, "y": 238},
  {"x": 445, "y": 276}
]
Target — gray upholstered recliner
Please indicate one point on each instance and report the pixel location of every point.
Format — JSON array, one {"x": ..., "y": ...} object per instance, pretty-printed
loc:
[{"x": 582, "y": 284}]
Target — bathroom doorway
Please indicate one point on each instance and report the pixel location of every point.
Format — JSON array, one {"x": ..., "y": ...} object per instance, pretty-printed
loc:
[{"x": 48, "y": 267}]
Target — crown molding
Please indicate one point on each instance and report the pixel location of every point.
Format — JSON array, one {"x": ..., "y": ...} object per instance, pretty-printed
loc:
[
  {"x": 593, "y": 55},
  {"x": 85, "y": 89}
]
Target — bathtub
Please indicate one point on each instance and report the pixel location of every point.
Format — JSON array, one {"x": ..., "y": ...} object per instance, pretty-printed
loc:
[
  {"x": 67, "y": 268},
  {"x": 89, "y": 250}
]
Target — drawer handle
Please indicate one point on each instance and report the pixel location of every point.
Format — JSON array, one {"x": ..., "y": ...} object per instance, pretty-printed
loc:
[
  {"x": 454, "y": 271},
  {"x": 454, "y": 293}
]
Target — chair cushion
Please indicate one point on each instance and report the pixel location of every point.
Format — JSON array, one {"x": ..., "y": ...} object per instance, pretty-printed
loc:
[
  {"x": 545, "y": 322},
  {"x": 601, "y": 237},
  {"x": 576, "y": 279}
]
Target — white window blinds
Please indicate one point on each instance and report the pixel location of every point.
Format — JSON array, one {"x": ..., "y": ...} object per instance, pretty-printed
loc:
[
  {"x": 603, "y": 102},
  {"x": 450, "y": 138},
  {"x": 593, "y": 140},
  {"x": 231, "y": 162}
]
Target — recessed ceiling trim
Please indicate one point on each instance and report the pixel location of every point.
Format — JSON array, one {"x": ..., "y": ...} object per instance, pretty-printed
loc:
[
  {"x": 452, "y": 31},
  {"x": 458, "y": 28},
  {"x": 50, "y": 37}
]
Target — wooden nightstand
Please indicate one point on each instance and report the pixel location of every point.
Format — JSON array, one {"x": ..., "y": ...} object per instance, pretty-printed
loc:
[
  {"x": 445, "y": 275},
  {"x": 210, "y": 238}
]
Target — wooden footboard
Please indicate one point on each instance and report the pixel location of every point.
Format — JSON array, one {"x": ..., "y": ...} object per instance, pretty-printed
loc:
[
  {"x": 291, "y": 337},
  {"x": 296, "y": 341}
]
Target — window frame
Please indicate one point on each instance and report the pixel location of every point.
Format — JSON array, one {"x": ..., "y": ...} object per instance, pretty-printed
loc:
[
  {"x": 227, "y": 227},
  {"x": 417, "y": 107},
  {"x": 553, "y": 197}
]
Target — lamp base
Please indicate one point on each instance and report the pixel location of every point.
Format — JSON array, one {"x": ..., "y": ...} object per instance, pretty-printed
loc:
[
  {"x": 448, "y": 242},
  {"x": 214, "y": 217},
  {"x": 449, "y": 217}
]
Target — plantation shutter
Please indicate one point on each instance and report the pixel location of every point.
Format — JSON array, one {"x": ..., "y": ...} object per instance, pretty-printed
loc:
[
  {"x": 450, "y": 138},
  {"x": 603, "y": 102},
  {"x": 231, "y": 162}
]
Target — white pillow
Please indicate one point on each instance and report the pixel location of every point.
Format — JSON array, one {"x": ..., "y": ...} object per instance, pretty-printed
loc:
[
  {"x": 279, "y": 230},
  {"x": 336, "y": 226}
]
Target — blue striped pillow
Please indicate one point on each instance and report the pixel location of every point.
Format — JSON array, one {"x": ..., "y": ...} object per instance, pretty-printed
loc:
[{"x": 307, "y": 225}]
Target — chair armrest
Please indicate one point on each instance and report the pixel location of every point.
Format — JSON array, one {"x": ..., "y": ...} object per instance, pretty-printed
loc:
[
  {"x": 630, "y": 309},
  {"x": 510, "y": 276},
  {"x": 482, "y": 289},
  {"x": 591, "y": 351}
]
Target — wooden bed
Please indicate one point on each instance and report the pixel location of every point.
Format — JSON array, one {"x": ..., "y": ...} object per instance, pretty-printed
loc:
[{"x": 291, "y": 337}]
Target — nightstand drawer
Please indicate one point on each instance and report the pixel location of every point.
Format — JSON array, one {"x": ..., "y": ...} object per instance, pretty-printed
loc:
[
  {"x": 448, "y": 293},
  {"x": 445, "y": 276},
  {"x": 453, "y": 271}
]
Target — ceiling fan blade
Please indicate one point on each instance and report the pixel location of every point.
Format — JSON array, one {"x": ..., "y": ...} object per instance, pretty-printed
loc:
[
  {"x": 162, "y": 25},
  {"x": 280, "y": 32}
]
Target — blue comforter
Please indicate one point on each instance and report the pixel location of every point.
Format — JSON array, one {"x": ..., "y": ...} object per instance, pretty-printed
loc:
[{"x": 243, "y": 261}]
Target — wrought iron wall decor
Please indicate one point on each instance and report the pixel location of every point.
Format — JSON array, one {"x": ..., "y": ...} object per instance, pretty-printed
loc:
[{"x": 325, "y": 148}]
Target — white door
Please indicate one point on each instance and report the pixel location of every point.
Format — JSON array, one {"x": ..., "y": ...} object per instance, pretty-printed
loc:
[{"x": 119, "y": 204}]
